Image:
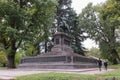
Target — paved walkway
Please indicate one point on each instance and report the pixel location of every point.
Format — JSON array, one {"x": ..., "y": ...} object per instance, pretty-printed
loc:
[{"x": 10, "y": 74}]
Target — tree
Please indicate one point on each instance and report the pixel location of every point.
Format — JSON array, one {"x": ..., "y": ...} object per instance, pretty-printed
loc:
[
  {"x": 22, "y": 21},
  {"x": 100, "y": 23},
  {"x": 95, "y": 52},
  {"x": 77, "y": 35},
  {"x": 112, "y": 22}
]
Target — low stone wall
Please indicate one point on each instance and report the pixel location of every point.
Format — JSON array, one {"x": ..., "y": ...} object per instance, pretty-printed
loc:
[
  {"x": 44, "y": 59},
  {"x": 81, "y": 59},
  {"x": 58, "y": 59},
  {"x": 58, "y": 62}
]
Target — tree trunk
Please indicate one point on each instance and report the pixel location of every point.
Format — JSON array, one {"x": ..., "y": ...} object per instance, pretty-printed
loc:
[
  {"x": 11, "y": 61},
  {"x": 45, "y": 46},
  {"x": 116, "y": 60},
  {"x": 11, "y": 58}
]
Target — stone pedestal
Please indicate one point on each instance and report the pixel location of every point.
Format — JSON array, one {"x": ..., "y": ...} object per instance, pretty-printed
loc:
[{"x": 60, "y": 57}]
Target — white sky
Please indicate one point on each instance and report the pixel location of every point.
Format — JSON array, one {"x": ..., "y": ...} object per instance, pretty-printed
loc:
[{"x": 78, "y": 5}]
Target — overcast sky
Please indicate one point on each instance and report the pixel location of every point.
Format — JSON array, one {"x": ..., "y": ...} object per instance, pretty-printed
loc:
[{"x": 78, "y": 5}]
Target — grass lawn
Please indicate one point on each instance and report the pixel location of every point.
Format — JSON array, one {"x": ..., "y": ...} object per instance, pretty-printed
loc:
[
  {"x": 66, "y": 76},
  {"x": 107, "y": 76},
  {"x": 115, "y": 66},
  {"x": 57, "y": 76}
]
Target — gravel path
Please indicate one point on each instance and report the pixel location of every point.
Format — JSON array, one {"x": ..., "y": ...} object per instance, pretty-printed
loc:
[{"x": 10, "y": 74}]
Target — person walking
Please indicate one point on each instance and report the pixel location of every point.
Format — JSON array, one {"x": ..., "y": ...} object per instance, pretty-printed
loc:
[
  {"x": 100, "y": 64},
  {"x": 106, "y": 65}
]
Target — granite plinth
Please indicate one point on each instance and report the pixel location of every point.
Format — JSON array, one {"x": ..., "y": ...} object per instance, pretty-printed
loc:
[
  {"x": 60, "y": 57},
  {"x": 57, "y": 65}
]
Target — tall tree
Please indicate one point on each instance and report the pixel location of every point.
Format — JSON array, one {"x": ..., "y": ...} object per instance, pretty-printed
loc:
[
  {"x": 100, "y": 23},
  {"x": 22, "y": 21},
  {"x": 77, "y": 35},
  {"x": 112, "y": 21}
]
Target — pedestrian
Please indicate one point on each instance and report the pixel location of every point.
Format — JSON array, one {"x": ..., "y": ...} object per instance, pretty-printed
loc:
[
  {"x": 100, "y": 64},
  {"x": 106, "y": 65}
]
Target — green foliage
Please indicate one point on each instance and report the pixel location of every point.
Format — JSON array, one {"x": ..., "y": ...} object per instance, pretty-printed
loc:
[
  {"x": 3, "y": 59},
  {"x": 17, "y": 58},
  {"x": 77, "y": 35},
  {"x": 110, "y": 26},
  {"x": 23, "y": 22},
  {"x": 115, "y": 66},
  {"x": 118, "y": 49},
  {"x": 95, "y": 52},
  {"x": 29, "y": 50},
  {"x": 101, "y": 23}
]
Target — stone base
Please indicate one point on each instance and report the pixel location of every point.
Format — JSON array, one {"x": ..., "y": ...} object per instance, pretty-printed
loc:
[
  {"x": 57, "y": 62},
  {"x": 57, "y": 65},
  {"x": 61, "y": 57}
]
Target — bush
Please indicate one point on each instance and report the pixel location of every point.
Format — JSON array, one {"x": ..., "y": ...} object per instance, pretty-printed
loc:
[
  {"x": 17, "y": 58},
  {"x": 3, "y": 59}
]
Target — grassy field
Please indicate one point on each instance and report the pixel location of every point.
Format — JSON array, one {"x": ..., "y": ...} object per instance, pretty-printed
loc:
[
  {"x": 57, "y": 76},
  {"x": 66, "y": 76},
  {"x": 115, "y": 66}
]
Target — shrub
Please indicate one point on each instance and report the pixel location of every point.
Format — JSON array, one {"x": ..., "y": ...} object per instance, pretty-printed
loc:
[
  {"x": 3, "y": 59},
  {"x": 17, "y": 59}
]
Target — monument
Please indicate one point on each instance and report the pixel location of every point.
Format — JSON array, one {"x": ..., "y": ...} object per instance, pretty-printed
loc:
[{"x": 61, "y": 56}]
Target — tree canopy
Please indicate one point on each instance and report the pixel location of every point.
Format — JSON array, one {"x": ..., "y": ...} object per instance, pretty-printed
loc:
[
  {"x": 23, "y": 21},
  {"x": 101, "y": 23}
]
